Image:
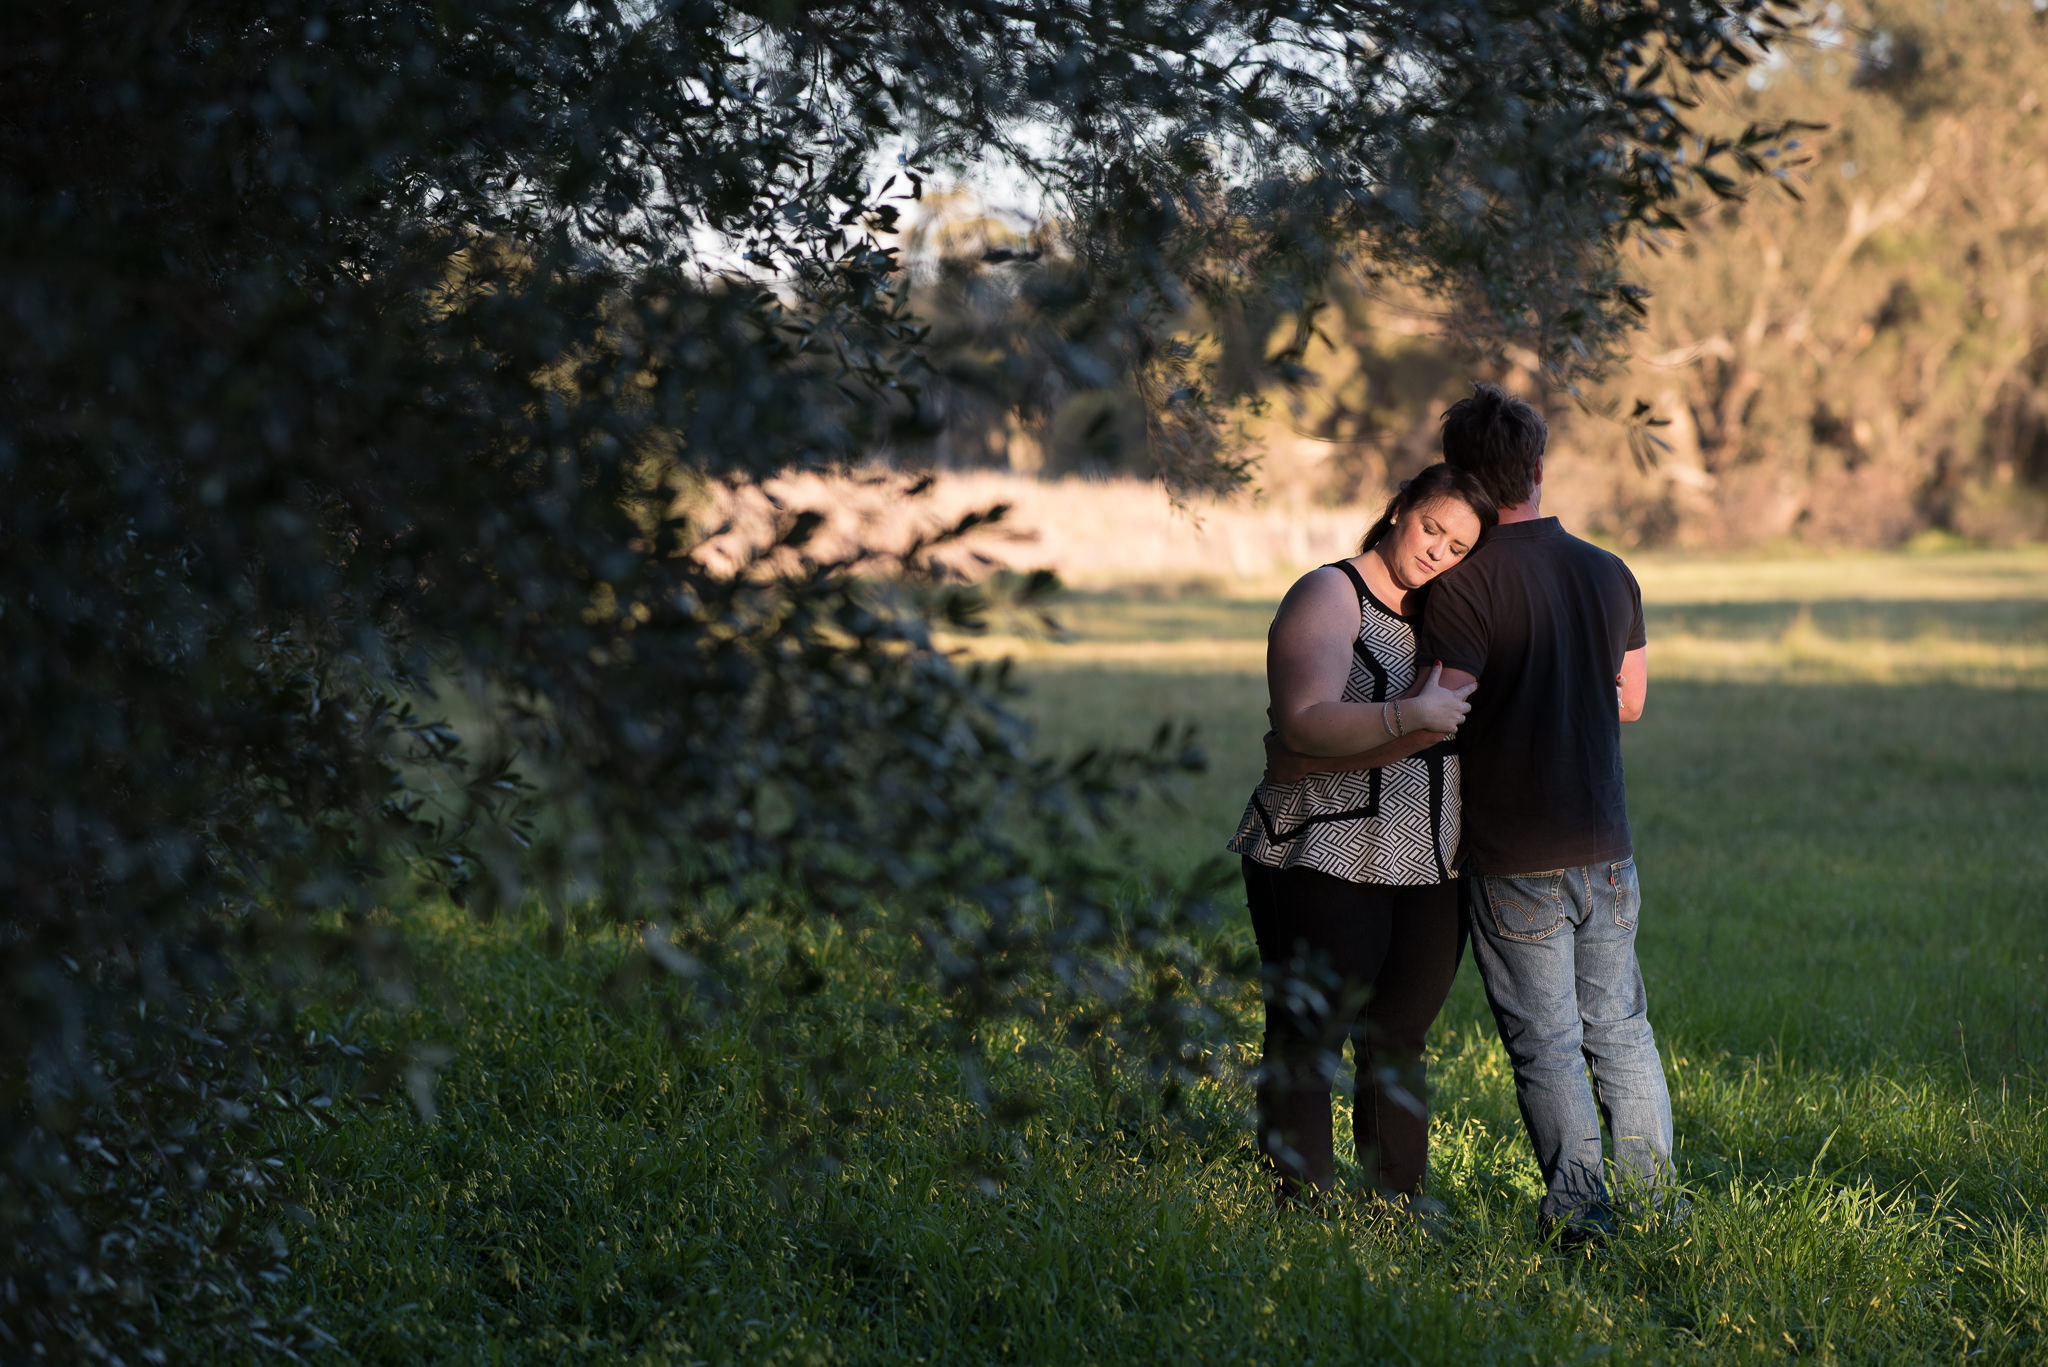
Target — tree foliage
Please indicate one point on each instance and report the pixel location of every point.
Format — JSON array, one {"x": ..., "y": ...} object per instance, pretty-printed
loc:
[
  {"x": 1859, "y": 365},
  {"x": 366, "y": 363}
]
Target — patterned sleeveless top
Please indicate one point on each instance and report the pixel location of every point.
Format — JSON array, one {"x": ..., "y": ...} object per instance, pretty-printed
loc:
[{"x": 1396, "y": 825}]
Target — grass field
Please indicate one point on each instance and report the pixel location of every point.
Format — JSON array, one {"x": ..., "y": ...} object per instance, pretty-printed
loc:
[{"x": 1840, "y": 798}]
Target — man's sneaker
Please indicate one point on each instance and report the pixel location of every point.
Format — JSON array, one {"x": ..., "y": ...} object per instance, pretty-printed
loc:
[{"x": 1589, "y": 1229}]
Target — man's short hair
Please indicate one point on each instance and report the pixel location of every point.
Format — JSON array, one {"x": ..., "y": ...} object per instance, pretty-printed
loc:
[{"x": 1499, "y": 440}]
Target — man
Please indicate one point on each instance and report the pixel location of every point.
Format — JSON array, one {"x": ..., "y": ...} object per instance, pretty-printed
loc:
[{"x": 1550, "y": 628}]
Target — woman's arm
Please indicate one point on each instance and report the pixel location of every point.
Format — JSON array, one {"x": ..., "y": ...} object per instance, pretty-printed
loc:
[
  {"x": 1308, "y": 662},
  {"x": 1285, "y": 766}
]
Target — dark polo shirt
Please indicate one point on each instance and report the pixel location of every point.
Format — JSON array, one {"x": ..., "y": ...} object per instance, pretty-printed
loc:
[{"x": 1542, "y": 620}]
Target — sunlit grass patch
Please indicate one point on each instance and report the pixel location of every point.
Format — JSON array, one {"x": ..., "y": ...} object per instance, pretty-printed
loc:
[
  {"x": 1977, "y": 576},
  {"x": 1905, "y": 644},
  {"x": 1979, "y": 617}
]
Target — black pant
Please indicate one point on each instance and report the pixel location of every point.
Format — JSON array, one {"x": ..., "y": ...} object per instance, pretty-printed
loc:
[{"x": 1364, "y": 961}]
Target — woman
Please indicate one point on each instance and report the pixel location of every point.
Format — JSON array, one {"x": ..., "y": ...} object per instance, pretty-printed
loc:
[{"x": 1348, "y": 868}]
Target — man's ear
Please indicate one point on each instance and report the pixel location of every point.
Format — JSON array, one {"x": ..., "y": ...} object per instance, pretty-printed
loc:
[{"x": 1538, "y": 481}]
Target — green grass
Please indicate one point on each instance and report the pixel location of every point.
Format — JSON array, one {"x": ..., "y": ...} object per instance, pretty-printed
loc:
[{"x": 1840, "y": 797}]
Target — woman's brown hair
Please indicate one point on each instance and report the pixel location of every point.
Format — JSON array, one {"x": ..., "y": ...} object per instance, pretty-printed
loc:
[{"x": 1437, "y": 481}]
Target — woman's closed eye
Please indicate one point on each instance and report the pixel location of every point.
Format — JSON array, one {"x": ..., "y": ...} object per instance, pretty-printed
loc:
[{"x": 1455, "y": 547}]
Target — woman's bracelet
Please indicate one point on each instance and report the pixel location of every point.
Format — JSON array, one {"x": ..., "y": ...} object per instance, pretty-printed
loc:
[{"x": 1397, "y": 730}]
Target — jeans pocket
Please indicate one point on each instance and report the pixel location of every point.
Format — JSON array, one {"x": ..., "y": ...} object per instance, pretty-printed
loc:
[
  {"x": 1628, "y": 895},
  {"x": 1529, "y": 906}
]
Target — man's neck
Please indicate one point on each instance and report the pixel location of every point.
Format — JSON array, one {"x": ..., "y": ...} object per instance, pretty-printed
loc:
[{"x": 1528, "y": 510}]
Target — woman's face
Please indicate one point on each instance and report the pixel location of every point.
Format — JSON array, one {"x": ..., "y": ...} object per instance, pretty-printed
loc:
[{"x": 1428, "y": 539}]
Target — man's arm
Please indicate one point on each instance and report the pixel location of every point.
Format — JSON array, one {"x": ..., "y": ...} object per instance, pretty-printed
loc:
[{"x": 1633, "y": 683}]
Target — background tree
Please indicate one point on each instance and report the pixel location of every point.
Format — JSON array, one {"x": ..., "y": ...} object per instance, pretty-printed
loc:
[
  {"x": 1857, "y": 366},
  {"x": 1870, "y": 364},
  {"x": 365, "y": 351}
]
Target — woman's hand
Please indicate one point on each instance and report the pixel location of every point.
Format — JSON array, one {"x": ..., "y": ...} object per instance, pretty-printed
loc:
[{"x": 1434, "y": 707}]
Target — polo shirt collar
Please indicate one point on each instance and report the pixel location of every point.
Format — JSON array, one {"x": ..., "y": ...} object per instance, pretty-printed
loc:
[{"x": 1534, "y": 527}]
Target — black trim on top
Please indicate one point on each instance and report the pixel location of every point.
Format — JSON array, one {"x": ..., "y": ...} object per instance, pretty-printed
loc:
[
  {"x": 1365, "y": 594},
  {"x": 1358, "y": 646},
  {"x": 1435, "y": 759},
  {"x": 1273, "y": 837},
  {"x": 1374, "y": 667}
]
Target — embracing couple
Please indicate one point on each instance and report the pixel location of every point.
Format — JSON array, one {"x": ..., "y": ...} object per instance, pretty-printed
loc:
[{"x": 1446, "y": 710}]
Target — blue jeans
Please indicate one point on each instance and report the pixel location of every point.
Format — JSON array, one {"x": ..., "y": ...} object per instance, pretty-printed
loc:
[{"x": 1557, "y": 952}]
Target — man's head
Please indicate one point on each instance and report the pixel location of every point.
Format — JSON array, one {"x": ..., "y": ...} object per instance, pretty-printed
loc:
[{"x": 1499, "y": 440}]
